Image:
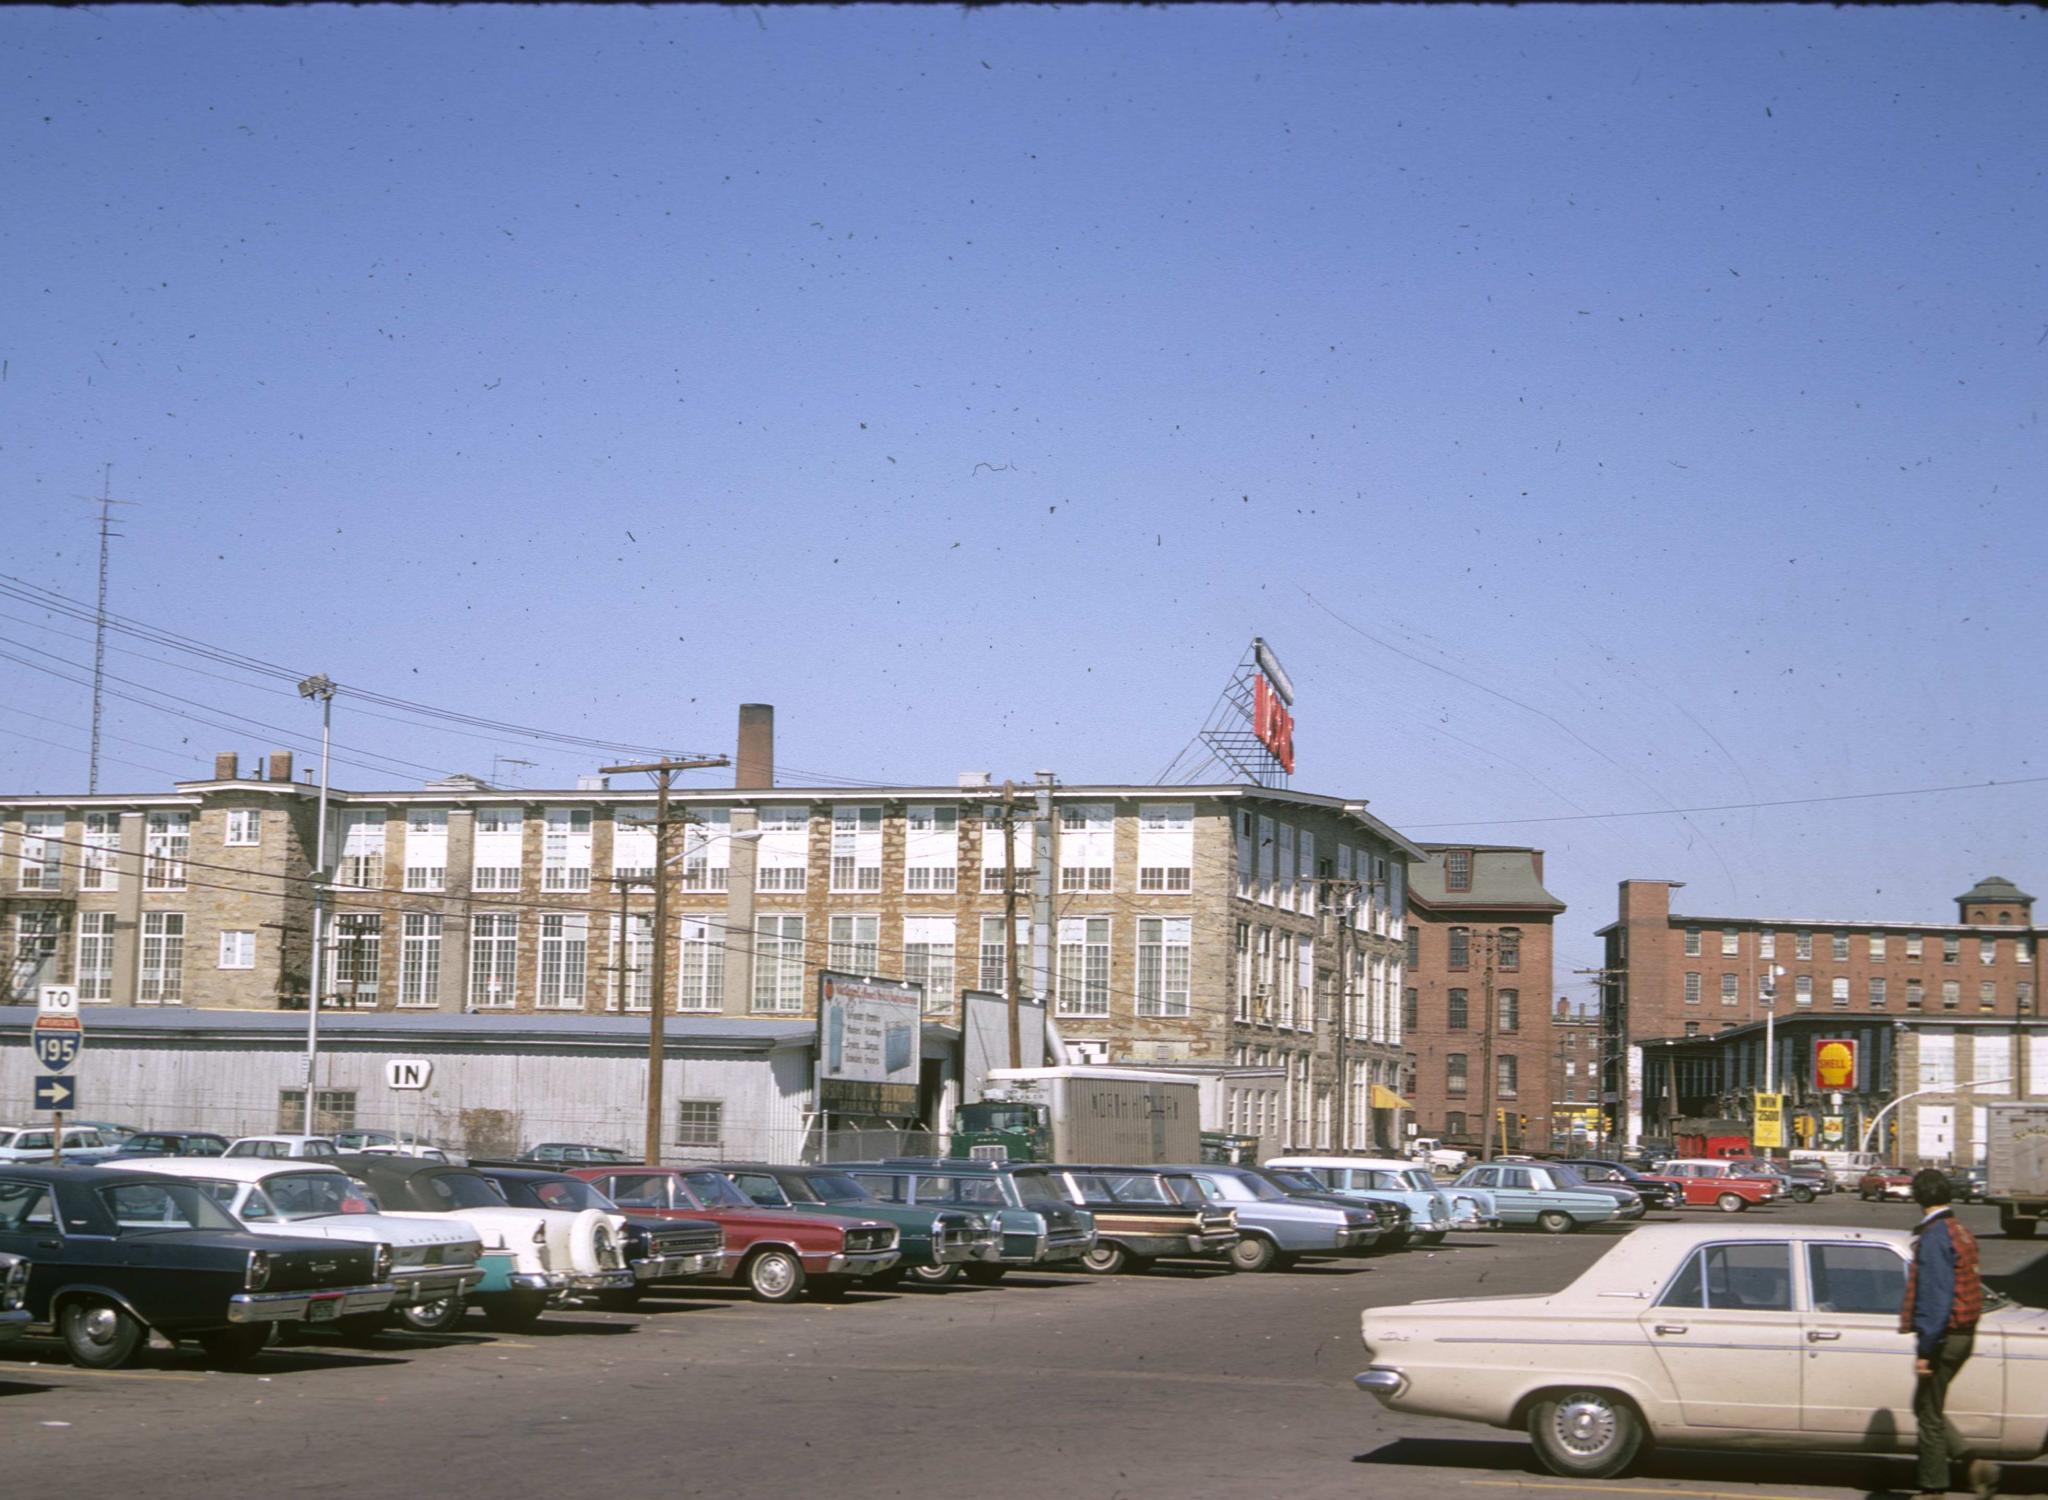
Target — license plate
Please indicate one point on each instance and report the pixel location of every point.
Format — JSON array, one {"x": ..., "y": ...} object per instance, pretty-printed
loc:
[{"x": 323, "y": 1310}]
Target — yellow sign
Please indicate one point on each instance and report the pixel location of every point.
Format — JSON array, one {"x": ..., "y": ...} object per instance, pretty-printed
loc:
[
  {"x": 1831, "y": 1129},
  {"x": 1769, "y": 1128}
]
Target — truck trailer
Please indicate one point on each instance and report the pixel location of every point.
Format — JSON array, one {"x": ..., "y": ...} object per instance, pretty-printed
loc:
[
  {"x": 1128, "y": 1116},
  {"x": 2016, "y": 1166}
]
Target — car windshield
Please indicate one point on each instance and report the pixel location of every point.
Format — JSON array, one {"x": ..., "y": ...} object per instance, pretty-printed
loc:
[
  {"x": 452, "y": 1190},
  {"x": 1004, "y": 1117},
  {"x": 1035, "y": 1189},
  {"x": 830, "y": 1187},
  {"x": 142, "y": 1206},
  {"x": 1245, "y": 1185},
  {"x": 715, "y": 1190},
  {"x": 1566, "y": 1176},
  {"x": 1296, "y": 1182},
  {"x": 315, "y": 1195}
]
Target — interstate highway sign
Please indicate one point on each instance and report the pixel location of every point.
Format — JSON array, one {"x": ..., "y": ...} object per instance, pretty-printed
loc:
[{"x": 58, "y": 1040}]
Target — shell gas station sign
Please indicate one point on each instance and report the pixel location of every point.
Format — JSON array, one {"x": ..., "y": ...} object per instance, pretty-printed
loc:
[{"x": 1834, "y": 1064}]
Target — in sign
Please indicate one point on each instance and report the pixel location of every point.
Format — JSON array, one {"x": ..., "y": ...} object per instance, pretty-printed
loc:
[{"x": 408, "y": 1072}]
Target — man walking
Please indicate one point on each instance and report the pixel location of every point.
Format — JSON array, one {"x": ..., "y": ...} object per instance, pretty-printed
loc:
[{"x": 1944, "y": 1299}]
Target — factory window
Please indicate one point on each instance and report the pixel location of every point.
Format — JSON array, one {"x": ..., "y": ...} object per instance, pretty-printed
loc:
[
  {"x": 1838, "y": 993},
  {"x": 1987, "y": 995},
  {"x": 163, "y": 958},
  {"x": 1164, "y": 965},
  {"x": 333, "y": 1109},
  {"x": 1877, "y": 945},
  {"x": 245, "y": 827},
  {"x": 1083, "y": 977},
  {"x": 700, "y": 1123},
  {"x": 1841, "y": 947},
  {"x": 564, "y": 957},
  {"x": 1915, "y": 994},
  {"x": 1692, "y": 942},
  {"x": 1510, "y": 1002},
  {"x": 1457, "y": 869},
  {"x": 1461, "y": 948},
  {"x": 779, "y": 964},
  {"x": 1802, "y": 945},
  {"x": 419, "y": 959},
  {"x": 856, "y": 945},
  {"x": 1454, "y": 1073},
  {"x": 1951, "y": 950},
  {"x": 169, "y": 841},
  {"x": 700, "y": 968},
  {"x": 1692, "y": 987},
  {"x": 1729, "y": 994},
  {"x": 1731, "y": 942},
  {"x": 494, "y": 960},
  {"x": 1456, "y": 1011},
  {"x": 1951, "y": 994},
  {"x": 1877, "y": 992},
  {"x": 1511, "y": 948}
]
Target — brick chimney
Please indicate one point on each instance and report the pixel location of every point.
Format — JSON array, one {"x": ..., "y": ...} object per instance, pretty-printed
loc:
[
  {"x": 227, "y": 766},
  {"x": 754, "y": 766},
  {"x": 280, "y": 765}
]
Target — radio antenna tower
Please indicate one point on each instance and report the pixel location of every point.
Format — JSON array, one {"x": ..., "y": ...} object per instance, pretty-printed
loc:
[{"x": 106, "y": 502}]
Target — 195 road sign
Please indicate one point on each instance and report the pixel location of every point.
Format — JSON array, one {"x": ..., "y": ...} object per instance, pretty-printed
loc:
[{"x": 57, "y": 1039}]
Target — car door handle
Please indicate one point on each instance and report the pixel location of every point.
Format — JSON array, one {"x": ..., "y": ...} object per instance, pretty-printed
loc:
[
  {"x": 1668, "y": 1328},
  {"x": 49, "y": 1244},
  {"x": 1820, "y": 1336}
]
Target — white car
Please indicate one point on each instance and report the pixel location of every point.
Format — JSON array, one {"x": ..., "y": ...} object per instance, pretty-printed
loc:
[
  {"x": 282, "y": 1147},
  {"x": 432, "y": 1261},
  {"x": 1438, "y": 1157},
  {"x": 83, "y": 1145},
  {"x": 1710, "y": 1336}
]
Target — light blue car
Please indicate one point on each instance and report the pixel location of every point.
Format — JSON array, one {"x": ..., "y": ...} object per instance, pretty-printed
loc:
[
  {"x": 1537, "y": 1195},
  {"x": 1436, "y": 1210}
]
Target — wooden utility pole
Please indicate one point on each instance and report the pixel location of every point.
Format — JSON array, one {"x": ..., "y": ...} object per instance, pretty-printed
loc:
[
  {"x": 1010, "y": 922},
  {"x": 1486, "y": 1090},
  {"x": 663, "y": 772}
]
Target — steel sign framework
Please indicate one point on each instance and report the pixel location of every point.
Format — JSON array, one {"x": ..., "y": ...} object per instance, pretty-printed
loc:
[{"x": 1252, "y": 729}]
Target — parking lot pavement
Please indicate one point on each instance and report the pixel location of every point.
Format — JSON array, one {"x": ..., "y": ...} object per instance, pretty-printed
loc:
[{"x": 1188, "y": 1382}]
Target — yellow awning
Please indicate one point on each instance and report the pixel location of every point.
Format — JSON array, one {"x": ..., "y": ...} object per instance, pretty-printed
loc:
[{"x": 1385, "y": 1098}]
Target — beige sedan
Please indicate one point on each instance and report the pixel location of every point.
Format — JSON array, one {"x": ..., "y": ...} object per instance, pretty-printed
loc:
[{"x": 1709, "y": 1336}]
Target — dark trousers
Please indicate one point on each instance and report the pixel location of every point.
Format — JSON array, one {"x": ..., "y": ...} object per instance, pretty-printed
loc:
[{"x": 1930, "y": 1406}]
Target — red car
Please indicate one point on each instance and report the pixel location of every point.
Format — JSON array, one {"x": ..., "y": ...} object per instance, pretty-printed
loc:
[
  {"x": 771, "y": 1252},
  {"x": 1885, "y": 1182},
  {"x": 1706, "y": 1183}
]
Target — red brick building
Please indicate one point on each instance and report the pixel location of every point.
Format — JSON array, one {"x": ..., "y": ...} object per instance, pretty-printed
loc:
[{"x": 1479, "y": 921}]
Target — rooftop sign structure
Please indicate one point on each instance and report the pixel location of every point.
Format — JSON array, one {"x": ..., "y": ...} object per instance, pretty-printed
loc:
[{"x": 1252, "y": 730}]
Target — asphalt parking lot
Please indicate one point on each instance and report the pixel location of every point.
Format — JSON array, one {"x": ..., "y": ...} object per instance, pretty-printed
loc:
[{"x": 1185, "y": 1383}]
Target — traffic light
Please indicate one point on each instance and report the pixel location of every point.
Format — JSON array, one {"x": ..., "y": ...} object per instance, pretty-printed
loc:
[{"x": 1523, "y": 1122}]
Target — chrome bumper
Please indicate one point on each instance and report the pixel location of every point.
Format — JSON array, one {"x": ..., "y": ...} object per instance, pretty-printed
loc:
[
  {"x": 664, "y": 1267},
  {"x": 12, "y": 1324},
  {"x": 1358, "y": 1239},
  {"x": 538, "y": 1281},
  {"x": 1381, "y": 1382},
  {"x": 1213, "y": 1245},
  {"x": 860, "y": 1263},
  {"x": 418, "y": 1285},
  {"x": 965, "y": 1250},
  {"x": 309, "y": 1306},
  {"x": 602, "y": 1281}
]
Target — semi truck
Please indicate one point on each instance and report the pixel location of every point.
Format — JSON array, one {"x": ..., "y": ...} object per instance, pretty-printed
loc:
[
  {"x": 2016, "y": 1166},
  {"x": 1126, "y": 1116}
]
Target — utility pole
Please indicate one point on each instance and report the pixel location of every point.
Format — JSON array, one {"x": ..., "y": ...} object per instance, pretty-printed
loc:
[
  {"x": 321, "y": 687},
  {"x": 624, "y": 967},
  {"x": 106, "y": 502},
  {"x": 1010, "y": 922},
  {"x": 663, "y": 772},
  {"x": 1486, "y": 1089}
]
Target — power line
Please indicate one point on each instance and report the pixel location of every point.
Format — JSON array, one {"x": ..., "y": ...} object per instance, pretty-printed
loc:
[{"x": 1667, "y": 812}]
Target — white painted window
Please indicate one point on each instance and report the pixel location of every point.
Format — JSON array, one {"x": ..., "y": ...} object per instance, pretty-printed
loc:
[
  {"x": 1914, "y": 945},
  {"x": 632, "y": 844},
  {"x": 928, "y": 959},
  {"x": 1951, "y": 993},
  {"x": 419, "y": 958},
  {"x": 1987, "y": 995},
  {"x": 1802, "y": 945},
  {"x": 1087, "y": 846},
  {"x": 1991, "y": 1062},
  {"x": 1729, "y": 993},
  {"x": 42, "y": 850},
  {"x": 1838, "y": 992},
  {"x": 1082, "y": 977},
  {"x": 95, "y": 956},
  {"x": 565, "y": 850},
  {"x": 855, "y": 944},
  {"x": 1243, "y": 956},
  {"x": 1802, "y": 990},
  {"x": 500, "y": 850},
  {"x": 931, "y": 848},
  {"x": 1692, "y": 987},
  {"x": 163, "y": 958},
  {"x": 237, "y": 949},
  {"x": 992, "y": 847},
  {"x": 707, "y": 849},
  {"x": 1283, "y": 861},
  {"x": 1731, "y": 942},
  {"x": 1692, "y": 942},
  {"x": 779, "y": 964},
  {"x": 358, "y": 958},
  {"x": 36, "y": 932},
  {"x": 1165, "y": 966},
  {"x": 1245, "y": 829},
  {"x": 783, "y": 853},
  {"x": 494, "y": 959},
  {"x": 1841, "y": 949},
  {"x": 1305, "y": 983},
  {"x": 632, "y": 976},
  {"x": 169, "y": 842},
  {"x": 1166, "y": 847},
  {"x": 856, "y": 848},
  {"x": 426, "y": 848},
  {"x": 1766, "y": 944},
  {"x": 1937, "y": 1059},
  {"x": 1987, "y": 951},
  {"x": 1878, "y": 994},
  {"x": 102, "y": 840},
  {"x": 245, "y": 827},
  {"x": 362, "y": 850},
  {"x": 564, "y": 957},
  {"x": 1267, "y": 857},
  {"x": 1916, "y": 994},
  {"x": 1283, "y": 979},
  {"x": 995, "y": 956},
  {"x": 1877, "y": 945},
  {"x": 700, "y": 973}
]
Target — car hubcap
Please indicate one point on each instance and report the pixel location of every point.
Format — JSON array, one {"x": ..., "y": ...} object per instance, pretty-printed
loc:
[
  {"x": 100, "y": 1325},
  {"x": 772, "y": 1275},
  {"x": 1585, "y": 1425}
]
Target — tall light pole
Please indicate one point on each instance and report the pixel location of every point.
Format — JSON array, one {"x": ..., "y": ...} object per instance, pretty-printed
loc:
[{"x": 322, "y": 688}]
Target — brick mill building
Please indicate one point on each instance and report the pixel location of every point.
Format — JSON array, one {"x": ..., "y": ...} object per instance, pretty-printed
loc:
[
  {"x": 1231, "y": 925},
  {"x": 1479, "y": 922}
]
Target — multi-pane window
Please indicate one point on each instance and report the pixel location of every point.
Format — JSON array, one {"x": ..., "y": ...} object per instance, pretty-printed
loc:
[
  {"x": 419, "y": 959},
  {"x": 994, "y": 964},
  {"x": 1841, "y": 947},
  {"x": 1916, "y": 994},
  {"x": 1457, "y": 869},
  {"x": 1507, "y": 1075},
  {"x": 1267, "y": 849},
  {"x": 245, "y": 827},
  {"x": 1729, "y": 994},
  {"x": 102, "y": 839},
  {"x": 2023, "y": 952},
  {"x": 1082, "y": 986},
  {"x": 700, "y": 1124},
  {"x": 1087, "y": 845},
  {"x": 163, "y": 958},
  {"x": 565, "y": 850},
  {"x": 426, "y": 848},
  {"x": 1283, "y": 862},
  {"x": 500, "y": 836},
  {"x": 333, "y": 1109},
  {"x": 494, "y": 959},
  {"x": 700, "y": 971},
  {"x": 1766, "y": 944},
  {"x": 1838, "y": 993},
  {"x": 1461, "y": 947},
  {"x": 931, "y": 848},
  {"x": 1877, "y": 992},
  {"x": 42, "y": 850},
  {"x": 564, "y": 958},
  {"x": 1283, "y": 978},
  {"x": 1456, "y": 1015},
  {"x": 779, "y": 964},
  {"x": 95, "y": 956},
  {"x": 362, "y": 850},
  {"x": 707, "y": 849},
  {"x": 1951, "y": 993},
  {"x": 1802, "y": 990},
  {"x": 1951, "y": 950},
  {"x": 1510, "y": 1002},
  {"x": 1166, "y": 846},
  {"x": 237, "y": 949},
  {"x": 1165, "y": 965},
  {"x": 855, "y": 944},
  {"x": 35, "y": 951},
  {"x": 1913, "y": 945},
  {"x": 1692, "y": 942},
  {"x": 1411, "y": 1009},
  {"x": 632, "y": 976},
  {"x": 1692, "y": 987},
  {"x": 928, "y": 959},
  {"x": 1987, "y": 995},
  {"x": 1242, "y": 953},
  {"x": 856, "y": 848},
  {"x": 1987, "y": 951},
  {"x": 358, "y": 957},
  {"x": 1509, "y": 948},
  {"x": 632, "y": 844},
  {"x": 1454, "y": 1073},
  {"x": 1244, "y": 831},
  {"x": 1414, "y": 943},
  {"x": 1802, "y": 945},
  {"x": 1731, "y": 942},
  {"x": 992, "y": 847},
  {"x": 168, "y": 842},
  {"x": 1877, "y": 945},
  {"x": 2023, "y": 993}
]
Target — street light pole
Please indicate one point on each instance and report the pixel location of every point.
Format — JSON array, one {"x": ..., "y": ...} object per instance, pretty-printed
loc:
[{"x": 322, "y": 688}]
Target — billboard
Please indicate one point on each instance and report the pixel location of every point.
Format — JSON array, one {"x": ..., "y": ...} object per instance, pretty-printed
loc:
[
  {"x": 868, "y": 1045},
  {"x": 1273, "y": 722},
  {"x": 1768, "y": 1130},
  {"x": 1834, "y": 1064}
]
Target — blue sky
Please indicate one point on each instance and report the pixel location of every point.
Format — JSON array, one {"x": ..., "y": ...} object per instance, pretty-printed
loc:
[{"x": 1665, "y": 384}]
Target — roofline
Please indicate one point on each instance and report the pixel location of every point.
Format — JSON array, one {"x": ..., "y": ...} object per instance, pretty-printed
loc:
[
  {"x": 1836, "y": 1020},
  {"x": 1550, "y": 908}
]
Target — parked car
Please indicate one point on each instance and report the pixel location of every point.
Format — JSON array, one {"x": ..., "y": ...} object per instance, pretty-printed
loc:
[
  {"x": 1846, "y": 1167},
  {"x": 1275, "y": 1230},
  {"x": 1799, "y": 1190},
  {"x": 1653, "y": 1192},
  {"x": 114, "y": 1134},
  {"x": 657, "y": 1250},
  {"x": 120, "y": 1254},
  {"x": 1143, "y": 1214},
  {"x": 14, "y": 1316},
  {"x": 773, "y": 1253},
  {"x": 83, "y": 1145},
  {"x": 431, "y": 1261},
  {"x": 157, "y": 1143},
  {"x": 1038, "y": 1222},
  {"x": 937, "y": 1244},
  {"x": 1538, "y": 1195},
  {"x": 1781, "y": 1336},
  {"x": 1438, "y": 1157},
  {"x": 1397, "y": 1220},
  {"x": 533, "y": 1258},
  {"x": 1884, "y": 1182},
  {"x": 1968, "y": 1183},
  {"x": 1814, "y": 1174},
  {"x": 283, "y": 1147},
  {"x": 1437, "y": 1210},
  {"x": 1704, "y": 1182},
  {"x": 571, "y": 1153}
]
